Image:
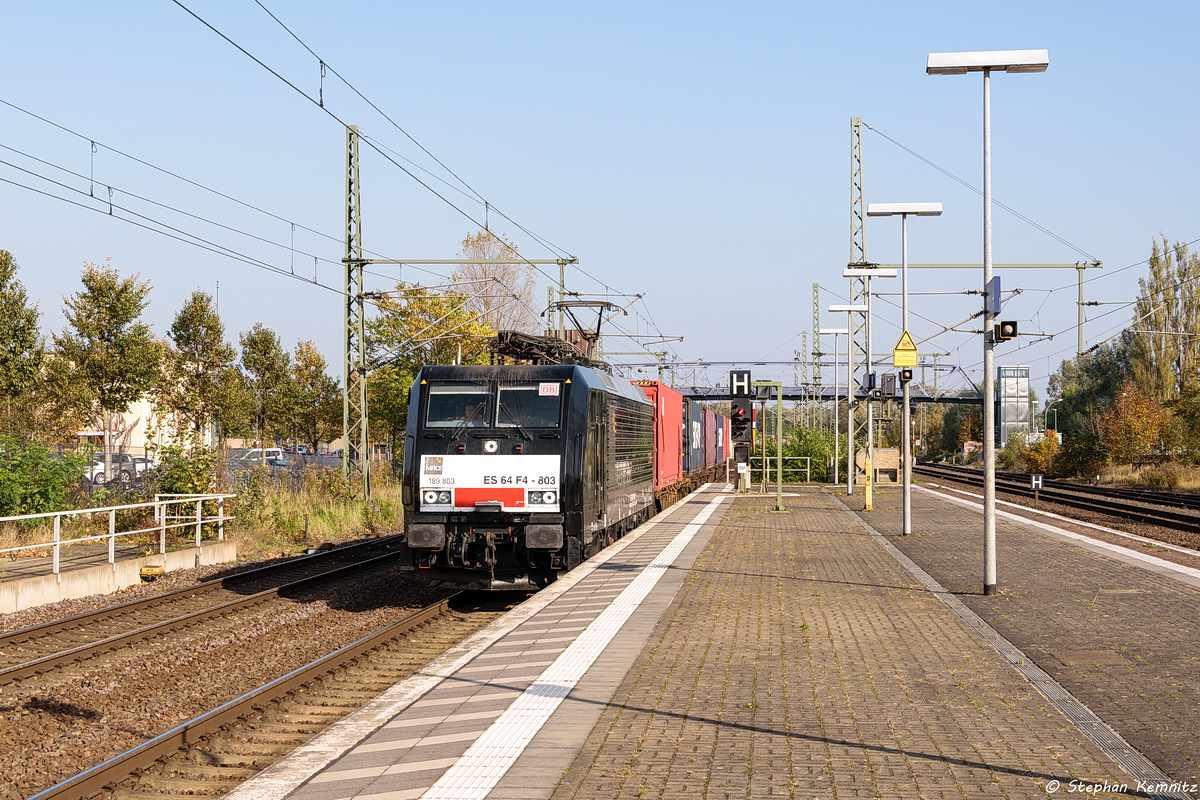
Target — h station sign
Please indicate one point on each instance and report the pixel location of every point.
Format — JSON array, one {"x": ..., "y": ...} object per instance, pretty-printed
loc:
[{"x": 739, "y": 383}]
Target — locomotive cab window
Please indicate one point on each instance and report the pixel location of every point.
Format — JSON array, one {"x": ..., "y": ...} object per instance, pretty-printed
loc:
[
  {"x": 457, "y": 404},
  {"x": 529, "y": 405}
]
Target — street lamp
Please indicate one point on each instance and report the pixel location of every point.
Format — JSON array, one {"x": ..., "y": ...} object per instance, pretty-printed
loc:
[
  {"x": 904, "y": 210},
  {"x": 1046, "y": 417},
  {"x": 868, "y": 273},
  {"x": 836, "y": 388},
  {"x": 960, "y": 64},
  {"x": 851, "y": 309}
]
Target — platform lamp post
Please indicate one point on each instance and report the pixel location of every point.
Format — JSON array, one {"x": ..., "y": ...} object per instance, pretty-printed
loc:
[
  {"x": 904, "y": 210},
  {"x": 849, "y": 309},
  {"x": 868, "y": 273},
  {"x": 836, "y": 388},
  {"x": 1046, "y": 418},
  {"x": 988, "y": 62}
]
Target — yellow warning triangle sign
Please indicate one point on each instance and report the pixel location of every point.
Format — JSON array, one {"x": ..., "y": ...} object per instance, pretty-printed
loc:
[{"x": 904, "y": 354}]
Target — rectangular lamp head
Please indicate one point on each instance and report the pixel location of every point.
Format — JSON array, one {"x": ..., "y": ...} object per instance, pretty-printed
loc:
[
  {"x": 896, "y": 209},
  {"x": 861, "y": 309},
  {"x": 851, "y": 272},
  {"x": 833, "y": 331},
  {"x": 993, "y": 60}
]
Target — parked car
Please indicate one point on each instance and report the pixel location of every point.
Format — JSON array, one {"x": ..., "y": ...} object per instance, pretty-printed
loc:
[
  {"x": 251, "y": 455},
  {"x": 124, "y": 469},
  {"x": 143, "y": 463}
]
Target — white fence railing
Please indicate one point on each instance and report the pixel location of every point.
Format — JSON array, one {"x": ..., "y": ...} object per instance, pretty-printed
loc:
[{"x": 171, "y": 511}]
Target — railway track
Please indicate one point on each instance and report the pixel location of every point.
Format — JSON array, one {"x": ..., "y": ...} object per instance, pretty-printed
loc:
[
  {"x": 218, "y": 750},
  {"x": 1125, "y": 505},
  {"x": 39, "y": 649}
]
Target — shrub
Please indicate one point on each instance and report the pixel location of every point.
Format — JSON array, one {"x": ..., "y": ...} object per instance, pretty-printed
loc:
[
  {"x": 32, "y": 479},
  {"x": 1082, "y": 453},
  {"x": 185, "y": 470}
]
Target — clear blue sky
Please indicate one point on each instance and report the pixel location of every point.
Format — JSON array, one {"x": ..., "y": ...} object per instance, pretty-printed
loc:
[{"x": 694, "y": 152}]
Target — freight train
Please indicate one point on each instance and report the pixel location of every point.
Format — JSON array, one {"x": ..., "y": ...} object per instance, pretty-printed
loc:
[{"x": 515, "y": 474}]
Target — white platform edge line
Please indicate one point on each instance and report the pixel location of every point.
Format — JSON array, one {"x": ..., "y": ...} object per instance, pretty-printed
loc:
[
  {"x": 289, "y": 773},
  {"x": 477, "y": 772},
  {"x": 1124, "y": 552}
]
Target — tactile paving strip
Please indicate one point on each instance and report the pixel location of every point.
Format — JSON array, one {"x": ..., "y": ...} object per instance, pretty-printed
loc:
[{"x": 485, "y": 763}]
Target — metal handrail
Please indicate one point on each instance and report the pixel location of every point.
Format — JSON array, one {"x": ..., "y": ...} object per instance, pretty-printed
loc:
[
  {"x": 160, "y": 505},
  {"x": 765, "y": 469}
]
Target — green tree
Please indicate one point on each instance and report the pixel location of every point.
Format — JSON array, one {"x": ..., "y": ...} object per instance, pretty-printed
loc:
[
  {"x": 111, "y": 351},
  {"x": 961, "y": 423},
  {"x": 1087, "y": 383},
  {"x": 201, "y": 375},
  {"x": 388, "y": 393},
  {"x": 318, "y": 397},
  {"x": 21, "y": 349},
  {"x": 1163, "y": 341},
  {"x": 417, "y": 326},
  {"x": 57, "y": 406},
  {"x": 503, "y": 295},
  {"x": 268, "y": 381}
]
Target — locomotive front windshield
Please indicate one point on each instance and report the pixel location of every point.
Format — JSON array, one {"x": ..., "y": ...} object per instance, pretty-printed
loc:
[
  {"x": 529, "y": 405},
  {"x": 455, "y": 404}
]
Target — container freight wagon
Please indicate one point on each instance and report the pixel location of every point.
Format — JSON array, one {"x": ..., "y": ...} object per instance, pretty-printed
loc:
[
  {"x": 668, "y": 433},
  {"x": 710, "y": 438},
  {"x": 724, "y": 446},
  {"x": 693, "y": 434}
]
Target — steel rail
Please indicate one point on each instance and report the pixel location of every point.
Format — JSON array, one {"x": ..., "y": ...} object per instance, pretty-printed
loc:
[
  {"x": 1155, "y": 516},
  {"x": 53, "y": 626},
  {"x": 88, "y": 783},
  {"x": 53, "y": 660},
  {"x": 1141, "y": 495}
]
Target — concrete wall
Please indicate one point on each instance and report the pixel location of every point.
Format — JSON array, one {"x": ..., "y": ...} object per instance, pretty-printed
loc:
[
  {"x": 106, "y": 578},
  {"x": 887, "y": 465}
]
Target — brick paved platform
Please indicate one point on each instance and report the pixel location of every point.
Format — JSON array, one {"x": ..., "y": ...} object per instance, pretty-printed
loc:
[
  {"x": 801, "y": 660},
  {"x": 806, "y": 654},
  {"x": 1125, "y": 640}
]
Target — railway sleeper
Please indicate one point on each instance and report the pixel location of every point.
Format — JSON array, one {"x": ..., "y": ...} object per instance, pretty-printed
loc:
[
  {"x": 357, "y": 695},
  {"x": 270, "y": 737},
  {"x": 185, "y": 769},
  {"x": 222, "y": 753},
  {"x": 198, "y": 784},
  {"x": 312, "y": 719},
  {"x": 317, "y": 705},
  {"x": 273, "y": 726}
]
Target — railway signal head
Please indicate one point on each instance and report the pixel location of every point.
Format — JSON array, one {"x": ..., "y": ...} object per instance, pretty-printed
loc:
[
  {"x": 888, "y": 384},
  {"x": 1006, "y": 330},
  {"x": 739, "y": 421}
]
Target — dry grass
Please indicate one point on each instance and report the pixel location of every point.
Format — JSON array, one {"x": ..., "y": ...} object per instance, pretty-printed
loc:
[
  {"x": 1163, "y": 477},
  {"x": 289, "y": 516}
]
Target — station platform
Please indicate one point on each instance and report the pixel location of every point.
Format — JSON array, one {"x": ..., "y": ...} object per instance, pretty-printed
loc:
[{"x": 728, "y": 650}]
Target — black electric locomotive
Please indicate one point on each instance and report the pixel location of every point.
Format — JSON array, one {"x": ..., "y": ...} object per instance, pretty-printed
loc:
[{"x": 514, "y": 474}]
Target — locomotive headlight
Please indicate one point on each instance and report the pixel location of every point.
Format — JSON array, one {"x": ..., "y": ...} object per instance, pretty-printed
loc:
[
  {"x": 443, "y": 498},
  {"x": 549, "y": 498},
  {"x": 429, "y": 496},
  {"x": 535, "y": 497}
]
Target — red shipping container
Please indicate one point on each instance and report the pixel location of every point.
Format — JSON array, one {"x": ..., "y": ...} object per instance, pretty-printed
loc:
[{"x": 668, "y": 431}]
